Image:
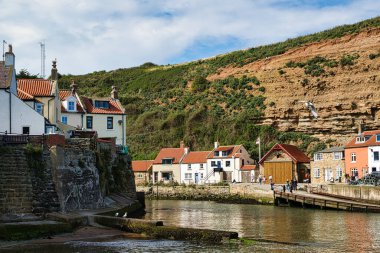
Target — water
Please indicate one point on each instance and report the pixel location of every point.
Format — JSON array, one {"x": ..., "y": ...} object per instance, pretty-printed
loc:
[{"x": 279, "y": 229}]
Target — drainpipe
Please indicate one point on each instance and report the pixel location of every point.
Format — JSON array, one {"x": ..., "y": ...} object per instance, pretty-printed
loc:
[
  {"x": 10, "y": 111},
  {"x": 123, "y": 126}
]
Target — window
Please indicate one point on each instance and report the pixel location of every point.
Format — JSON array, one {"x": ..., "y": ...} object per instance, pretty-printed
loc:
[
  {"x": 353, "y": 157},
  {"x": 360, "y": 139},
  {"x": 338, "y": 155},
  {"x": 228, "y": 163},
  {"x": 89, "y": 122},
  {"x": 201, "y": 175},
  {"x": 377, "y": 137},
  {"x": 140, "y": 175},
  {"x": 376, "y": 156},
  {"x": 213, "y": 164},
  {"x": 64, "y": 120},
  {"x": 188, "y": 176},
  {"x": 216, "y": 153},
  {"x": 167, "y": 161},
  {"x": 224, "y": 153},
  {"x": 25, "y": 130},
  {"x": 189, "y": 166},
  {"x": 318, "y": 157},
  {"x": 102, "y": 104},
  {"x": 242, "y": 162},
  {"x": 317, "y": 172},
  {"x": 166, "y": 175},
  {"x": 201, "y": 166},
  {"x": 339, "y": 173},
  {"x": 354, "y": 172},
  {"x": 109, "y": 122},
  {"x": 71, "y": 106},
  {"x": 40, "y": 108},
  {"x": 373, "y": 169}
]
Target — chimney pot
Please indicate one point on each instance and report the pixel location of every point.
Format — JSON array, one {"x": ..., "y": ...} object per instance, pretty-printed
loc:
[
  {"x": 114, "y": 93},
  {"x": 216, "y": 144},
  {"x": 182, "y": 144},
  {"x": 54, "y": 71},
  {"x": 73, "y": 87}
]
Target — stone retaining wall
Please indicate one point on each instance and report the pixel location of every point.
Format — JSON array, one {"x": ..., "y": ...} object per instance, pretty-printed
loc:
[{"x": 365, "y": 192}]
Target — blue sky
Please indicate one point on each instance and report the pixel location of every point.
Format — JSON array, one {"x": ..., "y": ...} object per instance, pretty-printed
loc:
[{"x": 94, "y": 35}]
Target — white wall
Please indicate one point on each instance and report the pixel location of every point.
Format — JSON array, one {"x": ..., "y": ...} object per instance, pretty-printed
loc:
[
  {"x": 195, "y": 168},
  {"x": 371, "y": 162},
  {"x": 73, "y": 119},
  {"x": 99, "y": 124},
  {"x": 22, "y": 115}
]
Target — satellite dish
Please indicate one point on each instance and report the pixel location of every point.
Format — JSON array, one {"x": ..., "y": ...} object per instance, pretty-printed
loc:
[{"x": 311, "y": 107}]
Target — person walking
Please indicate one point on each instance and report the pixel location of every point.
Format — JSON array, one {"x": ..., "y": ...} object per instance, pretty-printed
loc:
[
  {"x": 260, "y": 178},
  {"x": 270, "y": 178}
]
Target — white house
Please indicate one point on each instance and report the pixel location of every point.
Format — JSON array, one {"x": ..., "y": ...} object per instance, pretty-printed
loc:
[
  {"x": 194, "y": 167},
  {"x": 16, "y": 116},
  {"x": 374, "y": 154},
  {"x": 225, "y": 163},
  {"x": 72, "y": 112}
]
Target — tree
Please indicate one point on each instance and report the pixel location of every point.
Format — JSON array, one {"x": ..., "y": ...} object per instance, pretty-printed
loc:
[{"x": 24, "y": 73}]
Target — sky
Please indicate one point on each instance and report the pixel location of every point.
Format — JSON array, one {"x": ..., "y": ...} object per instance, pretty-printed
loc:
[{"x": 94, "y": 35}]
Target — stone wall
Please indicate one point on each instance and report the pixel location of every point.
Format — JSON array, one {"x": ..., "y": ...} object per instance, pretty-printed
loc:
[
  {"x": 365, "y": 192},
  {"x": 203, "y": 192}
]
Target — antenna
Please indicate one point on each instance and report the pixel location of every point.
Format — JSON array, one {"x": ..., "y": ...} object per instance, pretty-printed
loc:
[
  {"x": 43, "y": 57},
  {"x": 4, "y": 42}
]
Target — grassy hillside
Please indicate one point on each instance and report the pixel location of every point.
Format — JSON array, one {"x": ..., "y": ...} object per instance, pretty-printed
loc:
[{"x": 166, "y": 104}]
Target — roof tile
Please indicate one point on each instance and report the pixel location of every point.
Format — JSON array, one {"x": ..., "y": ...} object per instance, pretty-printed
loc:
[
  {"x": 175, "y": 153},
  {"x": 142, "y": 165},
  {"x": 196, "y": 157}
]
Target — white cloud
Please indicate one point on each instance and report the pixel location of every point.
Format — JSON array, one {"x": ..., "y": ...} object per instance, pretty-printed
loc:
[{"x": 88, "y": 36}]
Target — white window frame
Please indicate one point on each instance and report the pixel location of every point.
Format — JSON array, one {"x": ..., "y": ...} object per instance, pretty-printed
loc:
[
  {"x": 229, "y": 165},
  {"x": 318, "y": 157},
  {"x": 201, "y": 166},
  {"x": 40, "y": 108},
  {"x": 189, "y": 166},
  {"x": 360, "y": 139},
  {"x": 337, "y": 156},
  {"x": 140, "y": 175},
  {"x": 317, "y": 172},
  {"x": 188, "y": 176},
  {"x": 353, "y": 157},
  {"x": 339, "y": 172},
  {"x": 354, "y": 170}
]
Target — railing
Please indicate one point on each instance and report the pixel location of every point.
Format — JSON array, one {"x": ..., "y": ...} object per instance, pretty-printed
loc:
[{"x": 15, "y": 139}]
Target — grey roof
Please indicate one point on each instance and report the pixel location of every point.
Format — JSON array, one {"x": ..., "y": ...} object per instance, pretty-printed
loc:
[{"x": 333, "y": 149}]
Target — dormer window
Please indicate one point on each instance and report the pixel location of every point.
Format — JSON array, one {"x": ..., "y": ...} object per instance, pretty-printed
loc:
[
  {"x": 377, "y": 137},
  {"x": 360, "y": 139},
  {"x": 71, "y": 106},
  {"x": 224, "y": 153},
  {"x": 216, "y": 153},
  {"x": 102, "y": 104},
  {"x": 167, "y": 161}
]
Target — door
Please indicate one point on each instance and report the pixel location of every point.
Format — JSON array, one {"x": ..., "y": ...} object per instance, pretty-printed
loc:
[
  {"x": 227, "y": 176},
  {"x": 155, "y": 180},
  {"x": 280, "y": 171},
  {"x": 196, "y": 178},
  {"x": 245, "y": 176},
  {"x": 328, "y": 174}
]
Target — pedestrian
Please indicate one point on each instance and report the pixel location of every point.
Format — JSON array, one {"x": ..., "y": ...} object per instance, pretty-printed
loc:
[
  {"x": 270, "y": 178},
  {"x": 295, "y": 184},
  {"x": 283, "y": 188},
  {"x": 272, "y": 186},
  {"x": 287, "y": 185},
  {"x": 264, "y": 179},
  {"x": 260, "y": 178}
]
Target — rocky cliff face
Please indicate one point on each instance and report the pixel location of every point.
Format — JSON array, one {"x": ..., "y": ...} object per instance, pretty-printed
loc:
[{"x": 343, "y": 82}]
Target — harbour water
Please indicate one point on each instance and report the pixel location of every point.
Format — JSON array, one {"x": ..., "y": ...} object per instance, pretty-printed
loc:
[{"x": 277, "y": 229}]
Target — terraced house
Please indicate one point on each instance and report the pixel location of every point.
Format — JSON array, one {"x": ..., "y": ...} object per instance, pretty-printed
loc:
[
  {"x": 194, "y": 167},
  {"x": 328, "y": 165}
]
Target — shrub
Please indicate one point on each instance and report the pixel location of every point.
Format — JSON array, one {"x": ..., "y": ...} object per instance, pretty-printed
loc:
[
  {"x": 305, "y": 82},
  {"x": 373, "y": 56},
  {"x": 281, "y": 72},
  {"x": 262, "y": 89},
  {"x": 348, "y": 60},
  {"x": 271, "y": 104},
  {"x": 200, "y": 84}
]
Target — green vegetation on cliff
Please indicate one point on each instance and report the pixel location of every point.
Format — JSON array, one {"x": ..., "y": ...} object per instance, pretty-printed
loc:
[{"x": 166, "y": 104}]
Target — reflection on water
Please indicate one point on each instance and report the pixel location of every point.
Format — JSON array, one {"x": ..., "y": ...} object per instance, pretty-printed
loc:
[
  {"x": 312, "y": 229},
  {"x": 292, "y": 229}
]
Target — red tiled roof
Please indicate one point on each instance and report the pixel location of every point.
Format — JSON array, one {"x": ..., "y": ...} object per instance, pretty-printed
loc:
[
  {"x": 5, "y": 75},
  {"x": 371, "y": 141},
  {"x": 115, "y": 107},
  {"x": 141, "y": 166},
  {"x": 234, "y": 149},
  {"x": 174, "y": 153},
  {"x": 292, "y": 151},
  {"x": 196, "y": 157},
  {"x": 35, "y": 87},
  {"x": 248, "y": 167},
  {"x": 63, "y": 94},
  {"x": 23, "y": 95}
]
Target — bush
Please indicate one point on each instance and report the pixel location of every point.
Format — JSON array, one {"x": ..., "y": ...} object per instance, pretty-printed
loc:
[
  {"x": 373, "y": 56},
  {"x": 200, "y": 84},
  {"x": 271, "y": 104},
  {"x": 305, "y": 82},
  {"x": 281, "y": 72},
  {"x": 348, "y": 60},
  {"x": 262, "y": 89}
]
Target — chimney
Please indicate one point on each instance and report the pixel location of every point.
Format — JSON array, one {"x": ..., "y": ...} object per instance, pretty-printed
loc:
[
  {"x": 9, "y": 57},
  {"x": 54, "y": 71},
  {"x": 361, "y": 127},
  {"x": 182, "y": 144},
  {"x": 216, "y": 144},
  {"x": 186, "y": 151},
  {"x": 73, "y": 87},
  {"x": 114, "y": 93}
]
